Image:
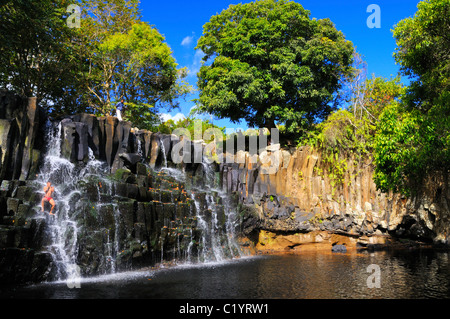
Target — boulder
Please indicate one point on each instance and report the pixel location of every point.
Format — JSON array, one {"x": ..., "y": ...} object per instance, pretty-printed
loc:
[
  {"x": 155, "y": 149},
  {"x": 13, "y": 205},
  {"x": 121, "y": 145},
  {"x": 339, "y": 249},
  {"x": 130, "y": 160},
  {"x": 74, "y": 146},
  {"x": 93, "y": 131}
]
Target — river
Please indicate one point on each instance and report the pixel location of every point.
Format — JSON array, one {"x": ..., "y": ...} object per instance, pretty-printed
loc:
[{"x": 403, "y": 274}]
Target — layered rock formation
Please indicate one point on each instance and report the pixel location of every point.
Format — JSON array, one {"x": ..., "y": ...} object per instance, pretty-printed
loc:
[
  {"x": 301, "y": 198},
  {"x": 131, "y": 216},
  {"x": 21, "y": 124}
]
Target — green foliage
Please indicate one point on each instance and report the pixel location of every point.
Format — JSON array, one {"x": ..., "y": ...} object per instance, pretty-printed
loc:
[
  {"x": 342, "y": 132},
  {"x": 409, "y": 146},
  {"x": 396, "y": 150},
  {"x": 128, "y": 60},
  {"x": 423, "y": 45},
  {"x": 191, "y": 124},
  {"x": 340, "y": 138},
  {"x": 142, "y": 115},
  {"x": 413, "y": 138},
  {"x": 37, "y": 55},
  {"x": 348, "y": 135},
  {"x": 267, "y": 62},
  {"x": 378, "y": 93},
  {"x": 113, "y": 55}
]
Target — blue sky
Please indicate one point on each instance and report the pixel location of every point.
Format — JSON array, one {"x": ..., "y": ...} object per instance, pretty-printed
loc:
[{"x": 181, "y": 22}]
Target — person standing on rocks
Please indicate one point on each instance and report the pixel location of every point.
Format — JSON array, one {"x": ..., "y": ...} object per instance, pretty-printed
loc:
[
  {"x": 119, "y": 109},
  {"x": 48, "y": 193}
]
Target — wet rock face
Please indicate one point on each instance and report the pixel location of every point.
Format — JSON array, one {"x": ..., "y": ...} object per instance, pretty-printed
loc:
[
  {"x": 137, "y": 220},
  {"x": 22, "y": 233},
  {"x": 122, "y": 215},
  {"x": 130, "y": 220}
]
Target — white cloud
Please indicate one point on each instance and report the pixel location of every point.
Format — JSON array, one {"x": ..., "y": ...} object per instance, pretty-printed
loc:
[
  {"x": 196, "y": 63},
  {"x": 166, "y": 116},
  {"x": 187, "y": 40}
]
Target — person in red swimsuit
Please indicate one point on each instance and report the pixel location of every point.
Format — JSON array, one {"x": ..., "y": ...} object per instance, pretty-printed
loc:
[{"x": 48, "y": 192}]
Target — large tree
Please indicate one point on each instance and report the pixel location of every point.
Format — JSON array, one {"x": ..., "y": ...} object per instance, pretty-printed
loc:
[
  {"x": 128, "y": 59},
  {"x": 37, "y": 56},
  {"x": 110, "y": 56},
  {"x": 267, "y": 62},
  {"x": 423, "y": 53}
]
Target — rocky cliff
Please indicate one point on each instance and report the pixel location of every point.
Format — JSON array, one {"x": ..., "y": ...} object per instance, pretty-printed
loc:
[
  {"x": 21, "y": 125},
  {"x": 119, "y": 210},
  {"x": 301, "y": 204},
  {"x": 300, "y": 197},
  {"x": 21, "y": 128},
  {"x": 116, "y": 207}
]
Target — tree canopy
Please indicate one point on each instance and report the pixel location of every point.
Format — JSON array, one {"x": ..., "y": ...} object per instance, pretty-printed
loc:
[
  {"x": 423, "y": 53},
  {"x": 128, "y": 60},
  {"x": 268, "y": 62},
  {"x": 413, "y": 138},
  {"x": 37, "y": 56},
  {"x": 113, "y": 55}
]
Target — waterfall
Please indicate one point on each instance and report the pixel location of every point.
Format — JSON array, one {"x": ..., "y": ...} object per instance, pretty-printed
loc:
[
  {"x": 215, "y": 217},
  {"x": 163, "y": 151},
  {"x": 59, "y": 171},
  {"x": 63, "y": 229},
  {"x": 105, "y": 223}
]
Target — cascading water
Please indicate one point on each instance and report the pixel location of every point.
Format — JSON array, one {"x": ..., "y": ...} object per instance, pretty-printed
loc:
[
  {"x": 163, "y": 151},
  {"x": 100, "y": 227},
  {"x": 62, "y": 227},
  {"x": 222, "y": 226},
  {"x": 59, "y": 172},
  {"x": 215, "y": 217}
]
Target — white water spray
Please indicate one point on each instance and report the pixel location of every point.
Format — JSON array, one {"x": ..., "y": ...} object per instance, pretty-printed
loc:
[
  {"x": 63, "y": 230},
  {"x": 217, "y": 229}
]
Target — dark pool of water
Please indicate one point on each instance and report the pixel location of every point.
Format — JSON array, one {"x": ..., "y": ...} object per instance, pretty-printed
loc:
[{"x": 403, "y": 274}]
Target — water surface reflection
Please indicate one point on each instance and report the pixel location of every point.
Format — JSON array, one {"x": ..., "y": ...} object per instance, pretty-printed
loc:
[{"x": 404, "y": 274}]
